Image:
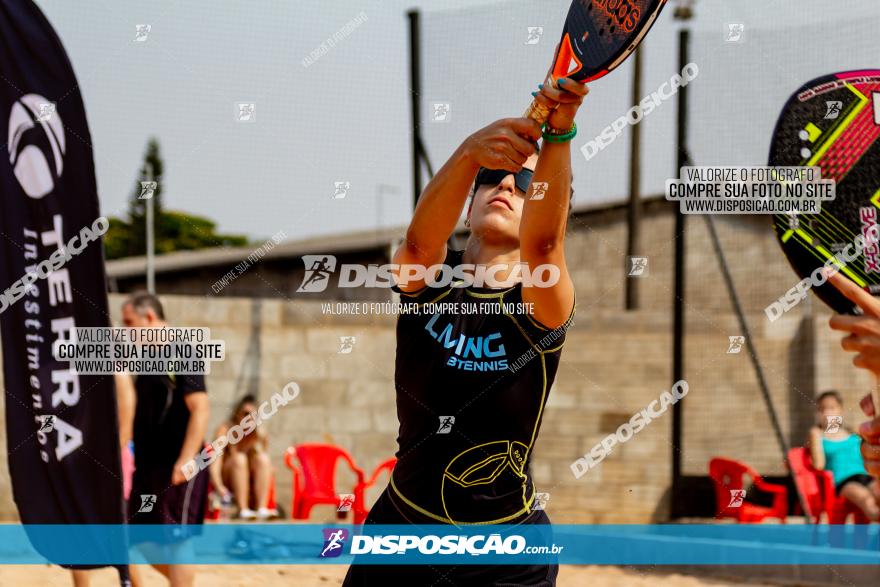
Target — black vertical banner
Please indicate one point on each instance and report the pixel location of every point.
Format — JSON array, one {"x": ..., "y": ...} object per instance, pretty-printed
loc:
[{"x": 62, "y": 433}]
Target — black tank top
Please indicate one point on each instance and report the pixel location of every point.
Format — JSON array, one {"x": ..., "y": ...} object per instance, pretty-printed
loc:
[{"x": 471, "y": 390}]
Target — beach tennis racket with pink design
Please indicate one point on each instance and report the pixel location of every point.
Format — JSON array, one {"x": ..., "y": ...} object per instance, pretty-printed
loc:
[
  {"x": 598, "y": 36},
  {"x": 833, "y": 123}
]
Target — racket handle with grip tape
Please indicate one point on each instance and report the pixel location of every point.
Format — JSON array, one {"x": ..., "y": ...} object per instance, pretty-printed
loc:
[{"x": 537, "y": 111}]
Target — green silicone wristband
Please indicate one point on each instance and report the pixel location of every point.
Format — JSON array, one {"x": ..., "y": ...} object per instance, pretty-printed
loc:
[{"x": 557, "y": 138}]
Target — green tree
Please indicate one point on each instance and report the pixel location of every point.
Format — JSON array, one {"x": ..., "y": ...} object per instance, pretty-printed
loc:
[
  {"x": 117, "y": 239},
  {"x": 174, "y": 231},
  {"x": 151, "y": 170},
  {"x": 186, "y": 232}
]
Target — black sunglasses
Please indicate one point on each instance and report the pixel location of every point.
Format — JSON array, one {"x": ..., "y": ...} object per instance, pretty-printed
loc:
[{"x": 523, "y": 179}]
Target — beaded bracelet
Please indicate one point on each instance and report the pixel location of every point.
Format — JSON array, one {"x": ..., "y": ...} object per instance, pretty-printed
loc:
[{"x": 559, "y": 138}]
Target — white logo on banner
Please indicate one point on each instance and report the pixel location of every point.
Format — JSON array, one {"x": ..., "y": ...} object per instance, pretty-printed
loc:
[{"x": 36, "y": 170}]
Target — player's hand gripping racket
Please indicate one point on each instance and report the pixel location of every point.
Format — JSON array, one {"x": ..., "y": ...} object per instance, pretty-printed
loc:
[
  {"x": 833, "y": 123},
  {"x": 598, "y": 36}
]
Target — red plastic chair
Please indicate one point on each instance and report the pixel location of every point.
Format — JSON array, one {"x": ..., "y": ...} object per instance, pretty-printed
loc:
[
  {"x": 837, "y": 508},
  {"x": 314, "y": 478},
  {"x": 840, "y": 509},
  {"x": 811, "y": 483},
  {"x": 360, "y": 503},
  {"x": 728, "y": 475}
]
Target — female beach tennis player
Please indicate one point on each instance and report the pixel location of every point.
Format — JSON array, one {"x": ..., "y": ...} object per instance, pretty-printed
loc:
[{"x": 472, "y": 381}]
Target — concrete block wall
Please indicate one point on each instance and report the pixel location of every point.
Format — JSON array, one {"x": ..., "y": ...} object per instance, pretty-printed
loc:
[{"x": 614, "y": 364}]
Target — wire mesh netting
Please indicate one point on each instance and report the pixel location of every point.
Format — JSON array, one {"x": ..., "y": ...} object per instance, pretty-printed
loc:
[{"x": 480, "y": 64}]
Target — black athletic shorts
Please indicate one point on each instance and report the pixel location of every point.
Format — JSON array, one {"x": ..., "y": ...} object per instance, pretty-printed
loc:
[
  {"x": 174, "y": 505},
  {"x": 861, "y": 479},
  {"x": 386, "y": 512}
]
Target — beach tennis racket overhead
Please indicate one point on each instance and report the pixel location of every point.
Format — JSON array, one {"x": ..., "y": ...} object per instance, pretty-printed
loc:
[
  {"x": 598, "y": 36},
  {"x": 833, "y": 123}
]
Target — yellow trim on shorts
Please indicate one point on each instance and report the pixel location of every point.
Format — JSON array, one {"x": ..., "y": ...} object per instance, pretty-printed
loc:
[{"x": 448, "y": 520}]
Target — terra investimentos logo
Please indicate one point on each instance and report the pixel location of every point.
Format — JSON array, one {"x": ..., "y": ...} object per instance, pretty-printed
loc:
[{"x": 36, "y": 144}]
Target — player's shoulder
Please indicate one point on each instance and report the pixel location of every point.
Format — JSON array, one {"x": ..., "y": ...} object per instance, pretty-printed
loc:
[
  {"x": 522, "y": 312},
  {"x": 452, "y": 260}
]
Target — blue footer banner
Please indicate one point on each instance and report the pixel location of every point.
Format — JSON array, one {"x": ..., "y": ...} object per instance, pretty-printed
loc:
[{"x": 281, "y": 543}]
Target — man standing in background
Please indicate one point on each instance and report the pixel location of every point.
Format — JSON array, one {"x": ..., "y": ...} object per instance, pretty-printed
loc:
[
  {"x": 125, "y": 406},
  {"x": 170, "y": 420}
]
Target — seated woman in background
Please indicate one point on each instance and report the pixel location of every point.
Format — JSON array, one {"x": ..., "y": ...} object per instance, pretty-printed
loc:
[
  {"x": 244, "y": 467},
  {"x": 833, "y": 448}
]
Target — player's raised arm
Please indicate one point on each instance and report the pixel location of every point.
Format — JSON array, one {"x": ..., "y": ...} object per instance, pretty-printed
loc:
[
  {"x": 504, "y": 144},
  {"x": 864, "y": 339},
  {"x": 542, "y": 231}
]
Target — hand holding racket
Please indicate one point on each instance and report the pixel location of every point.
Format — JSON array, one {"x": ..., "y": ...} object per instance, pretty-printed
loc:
[
  {"x": 864, "y": 338},
  {"x": 504, "y": 144},
  {"x": 562, "y": 101},
  {"x": 598, "y": 36}
]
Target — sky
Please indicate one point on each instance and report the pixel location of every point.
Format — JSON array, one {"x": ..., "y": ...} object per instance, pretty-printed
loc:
[{"x": 345, "y": 116}]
